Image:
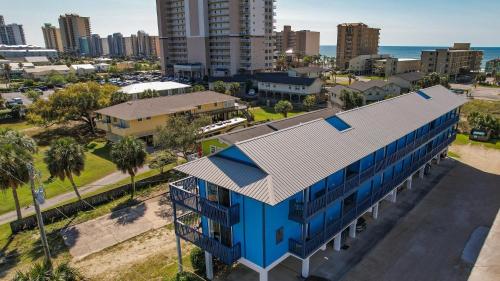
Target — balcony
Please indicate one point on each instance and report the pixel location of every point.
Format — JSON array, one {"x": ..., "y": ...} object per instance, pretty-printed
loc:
[
  {"x": 227, "y": 255},
  {"x": 184, "y": 193},
  {"x": 305, "y": 248}
]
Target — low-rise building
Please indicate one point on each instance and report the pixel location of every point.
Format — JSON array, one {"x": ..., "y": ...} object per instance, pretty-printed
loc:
[
  {"x": 83, "y": 69},
  {"x": 307, "y": 72},
  {"x": 372, "y": 91},
  {"x": 275, "y": 86},
  {"x": 22, "y": 51},
  {"x": 37, "y": 60},
  {"x": 102, "y": 67},
  {"x": 42, "y": 72},
  {"x": 364, "y": 64},
  {"x": 140, "y": 118},
  {"x": 407, "y": 81},
  {"x": 290, "y": 193},
  {"x": 392, "y": 66},
  {"x": 493, "y": 66},
  {"x": 168, "y": 88}
]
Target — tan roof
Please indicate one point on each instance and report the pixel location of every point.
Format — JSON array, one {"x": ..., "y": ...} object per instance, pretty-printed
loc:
[{"x": 163, "y": 105}]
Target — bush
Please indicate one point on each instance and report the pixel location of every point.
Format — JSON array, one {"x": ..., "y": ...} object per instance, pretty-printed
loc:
[
  {"x": 197, "y": 257},
  {"x": 186, "y": 276}
]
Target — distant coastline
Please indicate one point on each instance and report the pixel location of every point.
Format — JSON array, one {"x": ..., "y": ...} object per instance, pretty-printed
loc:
[{"x": 414, "y": 51}]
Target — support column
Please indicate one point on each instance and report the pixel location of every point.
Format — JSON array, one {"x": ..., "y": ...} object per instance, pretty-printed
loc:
[
  {"x": 409, "y": 182},
  {"x": 323, "y": 248},
  {"x": 421, "y": 172},
  {"x": 375, "y": 211},
  {"x": 394, "y": 195},
  {"x": 352, "y": 229},
  {"x": 337, "y": 242},
  {"x": 305, "y": 268},
  {"x": 179, "y": 253},
  {"x": 209, "y": 265},
  {"x": 438, "y": 159},
  {"x": 263, "y": 275}
]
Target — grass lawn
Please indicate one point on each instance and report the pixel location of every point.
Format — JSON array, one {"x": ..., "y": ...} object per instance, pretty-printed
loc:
[
  {"x": 453, "y": 154},
  {"x": 96, "y": 167},
  {"x": 268, "y": 113},
  {"x": 464, "y": 140},
  {"x": 17, "y": 126},
  {"x": 373, "y": 77},
  {"x": 484, "y": 106}
]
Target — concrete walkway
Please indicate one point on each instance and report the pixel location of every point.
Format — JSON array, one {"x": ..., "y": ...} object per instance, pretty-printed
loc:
[
  {"x": 54, "y": 201},
  {"x": 106, "y": 231}
]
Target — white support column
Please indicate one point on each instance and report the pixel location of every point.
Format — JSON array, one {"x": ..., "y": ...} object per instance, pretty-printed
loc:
[
  {"x": 179, "y": 253},
  {"x": 438, "y": 159},
  {"x": 323, "y": 248},
  {"x": 209, "y": 264},
  {"x": 305, "y": 268},
  {"x": 352, "y": 229},
  {"x": 394, "y": 195},
  {"x": 421, "y": 172},
  {"x": 375, "y": 211},
  {"x": 409, "y": 182},
  {"x": 263, "y": 275},
  {"x": 337, "y": 242}
]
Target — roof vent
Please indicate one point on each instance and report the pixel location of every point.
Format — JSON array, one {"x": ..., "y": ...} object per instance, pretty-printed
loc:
[{"x": 424, "y": 95}]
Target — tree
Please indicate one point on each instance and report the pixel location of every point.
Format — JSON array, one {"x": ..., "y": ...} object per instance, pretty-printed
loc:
[
  {"x": 64, "y": 159},
  {"x": 351, "y": 99},
  {"x": 283, "y": 107},
  {"x": 16, "y": 152},
  {"x": 55, "y": 79},
  {"x": 309, "y": 102},
  {"x": 45, "y": 272},
  {"x": 148, "y": 94},
  {"x": 33, "y": 95},
  {"x": 74, "y": 103},
  {"x": 198, "y": 88},
  {"x": 161, "y": 160},
  {"x": 483, "y": 121},
  {"x": 129, "y": 154},
  {"x": 119, "y": 97},
  {"x": 7, "y": 70},
  {"x": 220, "y": 87},
  {"x": 433, "y": 79},
  {"x": 233, "y": 88},
  {"x": 181, "y": 134},
  {"x": 351, "y": 77},
  {"x": 481, "y": 77},
  {"x": 197, "y": 258}
]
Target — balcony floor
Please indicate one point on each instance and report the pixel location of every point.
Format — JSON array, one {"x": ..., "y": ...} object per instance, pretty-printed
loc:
[{"x": 399, "y": 227}]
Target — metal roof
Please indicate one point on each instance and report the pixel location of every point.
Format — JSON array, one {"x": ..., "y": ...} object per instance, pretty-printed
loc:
[
  {"x": 297, "y": 157},
  {"x": 157, "y": 86}
]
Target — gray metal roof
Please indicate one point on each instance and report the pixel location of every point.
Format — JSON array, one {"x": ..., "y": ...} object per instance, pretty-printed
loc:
[{"x": 300, "y": 156}]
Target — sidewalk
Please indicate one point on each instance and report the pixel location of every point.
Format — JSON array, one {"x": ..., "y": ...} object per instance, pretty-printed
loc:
[
  {"x": 111, "y": 229},
  {"x": 107, "y": 180}
]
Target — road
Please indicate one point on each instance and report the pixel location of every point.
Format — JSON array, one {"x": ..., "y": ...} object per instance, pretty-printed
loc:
[
  {"x": 484, "y": 93},
  {"x": 26, "y": 101},
  {"x": 107, "y": 180}
]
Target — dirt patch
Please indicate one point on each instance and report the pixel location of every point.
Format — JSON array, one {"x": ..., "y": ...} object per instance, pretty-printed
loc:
[
  {"x": 481, "y": 158},
  {"x": 110, "y": 263}
]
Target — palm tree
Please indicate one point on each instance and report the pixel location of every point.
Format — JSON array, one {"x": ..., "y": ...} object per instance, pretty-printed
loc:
[
  {"x": 64, "y": 159},
  {"x": 129, "y": 154},
  {"x": 44, "y": 271},
  {"x": 15, "y": 154},
  {"x": 6, "y": 70}
]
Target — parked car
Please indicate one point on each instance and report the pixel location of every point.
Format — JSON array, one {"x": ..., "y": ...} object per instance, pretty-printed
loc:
[{"x": 480, "y": 135}]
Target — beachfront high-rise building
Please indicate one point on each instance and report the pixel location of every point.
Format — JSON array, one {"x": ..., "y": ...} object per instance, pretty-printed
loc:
[
  {"x": 451, "y": 61},
  {"x": 302, "y": 42},
  {"x": 96, "y": 45},
  {"x": 73, "y": 27},
  {"x": 355, "y": 39},
  {"x": 11, "y": 34},
  {"x": 52, "y": 37},
  {"x": 116, "y": 44},
  {"x": 214, "y": 37}
]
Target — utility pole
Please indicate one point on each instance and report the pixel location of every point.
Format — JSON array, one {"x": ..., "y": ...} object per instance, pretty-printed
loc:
[{"x": 43, "y": 236}]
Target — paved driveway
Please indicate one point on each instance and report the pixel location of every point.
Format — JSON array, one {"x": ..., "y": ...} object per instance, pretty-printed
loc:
[
  {"x": 421, "y": 237},
  {"x": 98, "y": 234}
]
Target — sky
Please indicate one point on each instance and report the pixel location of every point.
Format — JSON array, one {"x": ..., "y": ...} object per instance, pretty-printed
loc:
[{"x": 402, "y": 22}]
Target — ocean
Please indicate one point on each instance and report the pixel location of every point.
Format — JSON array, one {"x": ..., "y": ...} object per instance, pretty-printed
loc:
[{"x": 414, "y": 51}]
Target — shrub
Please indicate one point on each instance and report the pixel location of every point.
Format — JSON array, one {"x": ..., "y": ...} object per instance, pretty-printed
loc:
[
  {"x": 197, "y": 257},
  {"x": 186, "y": 276}
]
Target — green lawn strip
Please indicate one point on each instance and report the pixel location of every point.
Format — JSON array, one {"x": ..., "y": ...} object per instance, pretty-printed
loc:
[
  {"x": 463, "y": 139},
  {"x": 268, "y": 113},
  {"x": 453, "y": 154},
  {"x": 17, "y": 126},
  {"x": 96, "y": 167}
]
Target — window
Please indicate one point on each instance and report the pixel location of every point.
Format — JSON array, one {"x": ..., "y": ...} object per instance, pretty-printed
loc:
[
  {"x": 140, "y": 119},
  {"x": 214, "y": 149},
  {"x": 148, "y": 118},
  {"x": 279, "y": 235}
]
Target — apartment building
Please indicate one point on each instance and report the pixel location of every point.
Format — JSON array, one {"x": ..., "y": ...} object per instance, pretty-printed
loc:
[
  {"x": 371, "y": 91},
  {"x": 388, "y": 67},
  {"x": 142, "y": 45},
  {"x": 355, "y": 39},
  {"x": 19, "y": 52},
  {"x": 493, "y": 66},
  {"x": 52, "y": 37},
  {"x": 116, "y": 44},
  {"x": 215, "y": 37},
  {"x": 141, "y": 118},
  {"x": 364, "y": 64},
  {"x": 451, "y": 61},
  {"x": 289, "y": 193},
  {"x": 302, "y": 43},
  {"x": 96, "y": 49},
  {"x": 11, "y": 34},
  {"x": 73, "y": 27}
]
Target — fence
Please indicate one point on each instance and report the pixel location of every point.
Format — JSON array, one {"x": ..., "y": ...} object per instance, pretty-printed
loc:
[{"x": 70, "y": 209}]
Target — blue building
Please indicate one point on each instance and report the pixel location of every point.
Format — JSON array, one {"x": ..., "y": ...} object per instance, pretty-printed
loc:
[{"x": 291, "y": 192}]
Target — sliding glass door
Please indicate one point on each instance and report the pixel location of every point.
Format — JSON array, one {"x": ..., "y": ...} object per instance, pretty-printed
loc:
[{"x": 220, "y": 196}]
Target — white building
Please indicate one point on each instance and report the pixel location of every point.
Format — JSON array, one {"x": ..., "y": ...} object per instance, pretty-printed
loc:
[
  {"x": 83, "y": 69},
  {"x": 407, "y": 81},
  {"x": 163, "y": 88},
  {"x": 22, "y": 51},
  {"x": 364, "y": 64},
  {"x": 41, "y": 72},
  {"x": 372, "y": 91},
  {"x": 102, "y": 67},
  {"x": 392, "y": 66}
]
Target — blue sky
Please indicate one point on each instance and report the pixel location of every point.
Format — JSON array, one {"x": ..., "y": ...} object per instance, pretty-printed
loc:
[{"x": 403, "y": 22}]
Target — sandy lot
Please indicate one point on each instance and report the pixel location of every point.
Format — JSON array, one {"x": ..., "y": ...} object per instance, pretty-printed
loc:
[{"x": 481, "y": 158}]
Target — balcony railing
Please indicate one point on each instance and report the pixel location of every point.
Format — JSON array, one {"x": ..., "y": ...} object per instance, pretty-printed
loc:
[
  {"x": 303, "y": 211},
  {"x": 227, "y": 255},
  {"x": 182, "y": 193},
  {"x": 305, "y": 248}
]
